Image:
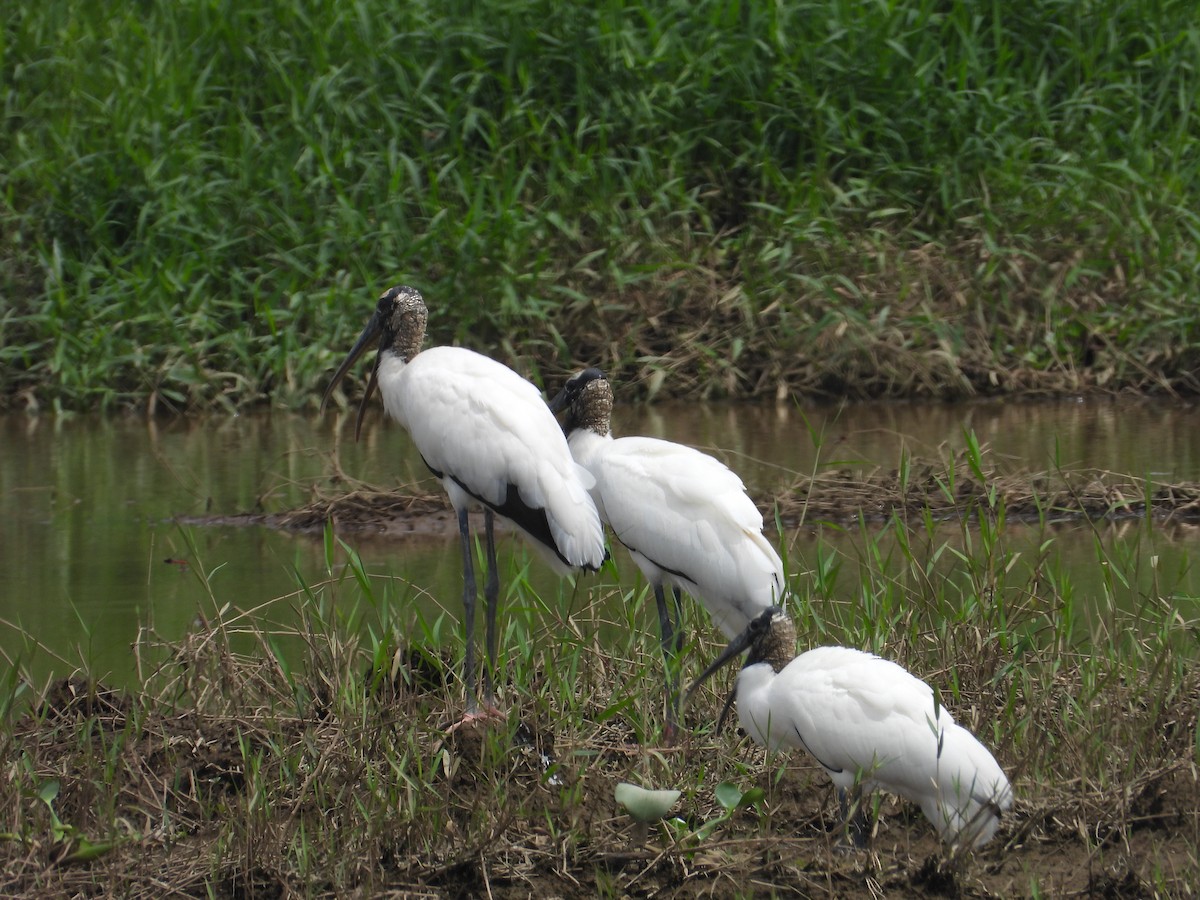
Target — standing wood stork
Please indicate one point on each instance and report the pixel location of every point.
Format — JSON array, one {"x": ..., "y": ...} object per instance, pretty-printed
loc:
[
  {"x": 870, "y": 724},
  {"x": 486, "y": 433},
  {"x": 684, "y": 516}
]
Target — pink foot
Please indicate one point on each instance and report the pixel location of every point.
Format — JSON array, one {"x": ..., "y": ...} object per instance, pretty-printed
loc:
[{"x": 482, "y": 716}]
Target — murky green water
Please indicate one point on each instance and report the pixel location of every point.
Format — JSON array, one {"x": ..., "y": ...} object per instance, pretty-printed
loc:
[{"x": 86, "y": 505}]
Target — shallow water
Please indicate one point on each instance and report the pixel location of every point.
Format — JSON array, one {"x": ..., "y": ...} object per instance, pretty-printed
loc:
[{"x": 86, "y": 505}]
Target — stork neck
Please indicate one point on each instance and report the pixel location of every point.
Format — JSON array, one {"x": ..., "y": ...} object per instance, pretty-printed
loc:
[
  {"x": 777, "y": 647},
  {"x": 593, "y": 410},
  {"x": 407, "y": 327},
  {"x": 589, "y": 420},
  {"x": 408, "y": 343}
]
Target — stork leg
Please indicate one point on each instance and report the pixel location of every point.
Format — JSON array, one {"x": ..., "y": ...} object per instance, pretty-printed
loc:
[
  {"x": 491, "y": 596},
  {"x": 672, "y": 645},
  {"x": 464, "y": 535},
  {"x": 678, "y": 621},
  {"x": 855, "y": 820}
]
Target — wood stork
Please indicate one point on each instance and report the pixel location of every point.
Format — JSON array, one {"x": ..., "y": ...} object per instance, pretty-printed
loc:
[
  {"x": 684, "y": 516},
  {"x": 486, "y": 433},
  {"x": 870, "y": 724}
]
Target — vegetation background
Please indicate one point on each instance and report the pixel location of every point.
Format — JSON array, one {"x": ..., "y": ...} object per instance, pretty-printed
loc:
[{"x": 199, "y": 201}]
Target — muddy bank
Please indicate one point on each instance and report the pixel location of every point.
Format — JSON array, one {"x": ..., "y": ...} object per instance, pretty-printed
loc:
[
  {"x": 841, "y": 497},
  {"x": 180, "y": 772}
]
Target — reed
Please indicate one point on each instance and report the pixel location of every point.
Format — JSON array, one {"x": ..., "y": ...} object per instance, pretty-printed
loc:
[{"x": 199, "y": 202}]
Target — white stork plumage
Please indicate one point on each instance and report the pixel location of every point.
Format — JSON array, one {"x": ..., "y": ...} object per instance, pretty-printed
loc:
[
  {"x": 870, "y": 724},
  {"x": 486, "y": 433},
  {"x": 684, "y": 516}
]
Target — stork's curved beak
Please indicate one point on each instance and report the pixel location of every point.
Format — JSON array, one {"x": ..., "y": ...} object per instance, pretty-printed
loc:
[
  {"x": 562, "y": 400},
  {"x": 373, "y": 331},
  {"x": 736, "y": 648}
]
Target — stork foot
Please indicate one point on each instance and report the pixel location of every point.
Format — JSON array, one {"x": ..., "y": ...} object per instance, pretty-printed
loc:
[{"x": 485, "y": 715}]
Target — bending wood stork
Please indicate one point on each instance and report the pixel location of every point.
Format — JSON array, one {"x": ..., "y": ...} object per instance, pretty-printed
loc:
[
  {"x": 870, "y": 724},
  {"x": 486, "y": 433},
  {"x": 684, "y": 516}
]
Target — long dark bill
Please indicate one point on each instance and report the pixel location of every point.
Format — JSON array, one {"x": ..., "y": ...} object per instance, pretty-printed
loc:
[
  {"x": 737, "y": 647},
  {"x": 560, "y": 401},
  {"x": 373, "y": 331}
]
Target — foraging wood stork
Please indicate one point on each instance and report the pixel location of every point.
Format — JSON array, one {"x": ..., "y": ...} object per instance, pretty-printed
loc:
[
  {"x": 870, "y": 724},
  {"x": 486, "y": 433},
  {"x": 684, "y": 516}
]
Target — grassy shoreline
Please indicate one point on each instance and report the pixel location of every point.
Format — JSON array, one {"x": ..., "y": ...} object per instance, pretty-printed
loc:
[
  {"x": 233, "y": 768},
  {"x": 198, "y": 204}
]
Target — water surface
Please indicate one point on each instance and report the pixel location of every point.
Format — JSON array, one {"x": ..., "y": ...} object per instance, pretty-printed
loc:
[{"x": 87, "y": 505}]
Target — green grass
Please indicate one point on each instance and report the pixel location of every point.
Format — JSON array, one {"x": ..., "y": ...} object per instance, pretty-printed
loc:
[
  {"x": 198, "y": 202},
  {"x": 314, "y": 760}
]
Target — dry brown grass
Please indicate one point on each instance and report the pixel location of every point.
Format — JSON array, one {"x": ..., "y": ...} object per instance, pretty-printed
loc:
[
  {"x": 833, "y": 495},
  {"x": 223, "y": 777},
  {"x": 910, "y": 321}
]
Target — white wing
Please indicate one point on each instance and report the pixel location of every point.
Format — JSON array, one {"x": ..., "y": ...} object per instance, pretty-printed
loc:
[
  {"x": 486, "y": 428},
  {"x": 688, "y": 521},
  {"x": 973, "y": 789},
  {"x": 859, "y": 713},
  {"x": 862, "y": 716}
]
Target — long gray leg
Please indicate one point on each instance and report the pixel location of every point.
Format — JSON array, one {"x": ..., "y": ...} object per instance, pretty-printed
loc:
[
  {"x": 855, "y": 819},
  {"x": 678, "y": 621},
  {"x": 672, "y": 642},
  {"x": 468, "y": 612},
  {"x": 491, "y": 595}
]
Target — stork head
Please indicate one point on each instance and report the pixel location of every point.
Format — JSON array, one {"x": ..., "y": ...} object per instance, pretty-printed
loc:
[
  {"x": 770, "y": 637},
  {"x": 588, "y": 399},
  {"x": 399, "y": 325}
]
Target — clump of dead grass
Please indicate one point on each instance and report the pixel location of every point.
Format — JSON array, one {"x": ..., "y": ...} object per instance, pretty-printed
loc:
[{"x": 943, "y": 489}]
